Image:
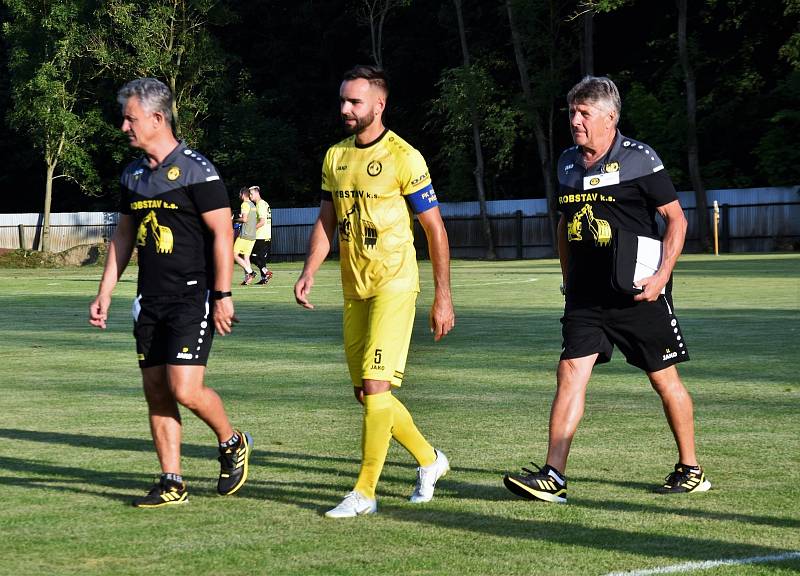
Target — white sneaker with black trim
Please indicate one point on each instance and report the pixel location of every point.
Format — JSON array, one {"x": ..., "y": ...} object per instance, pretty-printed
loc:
[
  {"x": 354, "y": 504},
  {"x": 427, "y": 477}
]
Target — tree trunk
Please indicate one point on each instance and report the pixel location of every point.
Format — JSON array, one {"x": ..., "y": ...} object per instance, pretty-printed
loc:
[
  {"x": 543, "y": 143},
  {"x": 587, "y": 53},
  {"x": 44, "y": 241},
  {"x": 476, "y": 137},
  {"x": 378, "y": 49},
  {"x": 693, "y": 155},
  {"x": 176, "y": 123}
]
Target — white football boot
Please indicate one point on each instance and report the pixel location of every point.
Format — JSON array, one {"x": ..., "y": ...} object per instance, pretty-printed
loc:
[
  {"x": 354, "y": 504},
  {"x": 427, "y": 477}
]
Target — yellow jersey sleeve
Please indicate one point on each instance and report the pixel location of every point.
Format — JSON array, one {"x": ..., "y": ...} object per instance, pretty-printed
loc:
[
  {"x": 412, "y": 172},
  {"x": 328, "y": 180}
]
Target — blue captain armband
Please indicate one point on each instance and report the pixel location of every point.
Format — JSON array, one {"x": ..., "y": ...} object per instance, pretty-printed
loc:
[{"x": 422, "y": 200}]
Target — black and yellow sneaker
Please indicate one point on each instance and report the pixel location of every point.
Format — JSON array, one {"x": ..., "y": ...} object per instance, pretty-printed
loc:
[
  {"x": 164, "y": 493},
  {"x": 233, "y": 464},
  {"x": 545, "y": 484},
  {"x": 685, "y": 479}
]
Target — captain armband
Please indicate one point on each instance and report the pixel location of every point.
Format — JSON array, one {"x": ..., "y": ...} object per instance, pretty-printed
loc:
[{"x": 422, "y": 200}]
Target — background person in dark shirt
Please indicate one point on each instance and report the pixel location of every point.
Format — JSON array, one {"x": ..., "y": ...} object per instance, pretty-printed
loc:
[{"x": 175, "y": 209}]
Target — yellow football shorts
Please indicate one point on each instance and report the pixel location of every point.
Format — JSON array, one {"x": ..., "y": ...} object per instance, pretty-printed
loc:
[
  {"x": 377, "y": 332},
  {"x": 243, "y": 247}
]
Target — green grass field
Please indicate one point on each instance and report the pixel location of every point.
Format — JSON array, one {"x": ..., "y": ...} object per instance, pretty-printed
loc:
[{"x": 76, "y": 445}]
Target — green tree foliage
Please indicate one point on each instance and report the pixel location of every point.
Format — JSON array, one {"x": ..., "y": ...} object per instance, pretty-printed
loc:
[
  {"x": 170, "y": 40},
  {"x": 461, "y": 89},
  {"x": 273, "y": 127},
  {"x": 255, "y": 147},
  {"x": 48, "y": 85},
  {"x": 790, "y": 51}
]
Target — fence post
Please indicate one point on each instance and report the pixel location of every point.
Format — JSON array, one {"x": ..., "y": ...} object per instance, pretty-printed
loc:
[
  {"x": 518, "y": 215},
  {"x": 726, "y": 228},
  {"x": 21, "y": 231}
]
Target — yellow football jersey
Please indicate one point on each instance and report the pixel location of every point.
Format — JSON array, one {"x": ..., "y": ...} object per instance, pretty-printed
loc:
[
  {"x": 376, "y": 239},
  {"x": 264, "y": 211}
]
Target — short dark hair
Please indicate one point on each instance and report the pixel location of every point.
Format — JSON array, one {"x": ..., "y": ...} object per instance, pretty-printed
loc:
[
  {"x": 375, "y": 75},
  {"x": 244, "y": 190}
]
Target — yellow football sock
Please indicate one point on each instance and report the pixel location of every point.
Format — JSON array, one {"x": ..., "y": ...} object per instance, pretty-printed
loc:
[
  {"x": 407, "y": 433},
  {"x": 375, "y": 438}
]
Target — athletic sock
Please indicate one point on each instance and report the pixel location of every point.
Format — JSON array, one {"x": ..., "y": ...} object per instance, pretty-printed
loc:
[
  {"x": 233, "y": 441},
  {"x": 375, "y": 437},
  {"x": 176, "y": 478},
  {"x": 557, "y": 476},
  {"x": 409, "y": 436}
]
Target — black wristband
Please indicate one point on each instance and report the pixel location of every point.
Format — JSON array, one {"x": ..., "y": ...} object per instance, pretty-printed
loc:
[{"x": 219, "y": 294}]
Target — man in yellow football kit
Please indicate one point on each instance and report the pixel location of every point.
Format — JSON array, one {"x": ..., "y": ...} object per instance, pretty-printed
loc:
[
  {"x": 243, "y": 245},
  {"x": 372, "y": 184},
  {"x": 261, "y": 248}
]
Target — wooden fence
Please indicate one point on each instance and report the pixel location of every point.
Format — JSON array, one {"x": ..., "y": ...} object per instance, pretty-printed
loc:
[{"x": 762, "y": 227}]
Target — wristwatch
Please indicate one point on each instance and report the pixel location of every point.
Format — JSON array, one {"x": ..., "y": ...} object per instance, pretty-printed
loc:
[{"x": 219, "y": 294}]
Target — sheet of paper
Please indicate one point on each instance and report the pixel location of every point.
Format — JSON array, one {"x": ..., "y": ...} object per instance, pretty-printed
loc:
[{"x": 648, "y": 259}]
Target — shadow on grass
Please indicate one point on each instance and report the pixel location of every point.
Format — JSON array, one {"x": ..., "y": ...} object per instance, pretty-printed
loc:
[
  {"x": 314, "y": 498},
  {"x": 307, "y": 494}
]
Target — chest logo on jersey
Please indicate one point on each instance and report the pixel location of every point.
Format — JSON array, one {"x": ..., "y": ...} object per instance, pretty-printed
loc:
[
  {"x": 584, "y": 221},
  {"x": 600, "y": 180},
  {"x": 374, "y": 168},
  {"x": 354, "y": 228},
  {"x": 173, "y": 173},
  {"x": 162, "y": 235}
]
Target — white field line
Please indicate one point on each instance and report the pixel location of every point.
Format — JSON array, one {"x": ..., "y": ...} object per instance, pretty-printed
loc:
[{"x": 705, "y": 565}]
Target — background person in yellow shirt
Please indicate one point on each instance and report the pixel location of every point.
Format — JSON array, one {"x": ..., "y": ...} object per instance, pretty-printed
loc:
[
  {"x": 243, "y": 245},
  {"x": 263, "y": 245},
  {"x": 372, "y": 184}
]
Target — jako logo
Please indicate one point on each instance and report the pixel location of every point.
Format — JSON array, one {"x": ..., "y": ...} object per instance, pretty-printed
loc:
[
  {"x": 184, "y": 356},
  {"x": 669, "y": 356}
]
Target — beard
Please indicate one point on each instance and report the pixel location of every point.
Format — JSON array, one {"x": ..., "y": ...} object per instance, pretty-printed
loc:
[{"x": 362, "y": 123}]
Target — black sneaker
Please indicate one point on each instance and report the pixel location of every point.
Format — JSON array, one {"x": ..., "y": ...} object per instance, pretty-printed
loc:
[
  {"x": 539, "y": 485},
  {"x": 233, "y": 464},
  {"x": 264, "y": 280},
  {"x": 164, "y": 493},
  {"x": 248, "y": 278},
  {"x": 685, "y": 480}
]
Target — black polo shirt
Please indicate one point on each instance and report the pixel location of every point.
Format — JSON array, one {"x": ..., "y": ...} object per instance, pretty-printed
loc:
[
  {"x": 175, "y": 248},
  {"x": 622, "y": 190}
]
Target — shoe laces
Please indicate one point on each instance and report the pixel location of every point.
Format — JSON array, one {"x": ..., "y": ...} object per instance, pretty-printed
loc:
[
  {"x": 161, "y": 485},
  {"x": 422, "y": 477},
  {"x": 539, "y": 471},
  {"x": 353, "y": 497},
  {"x": 678, "y": 476},
  {"x": 226, "y": 457}
]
